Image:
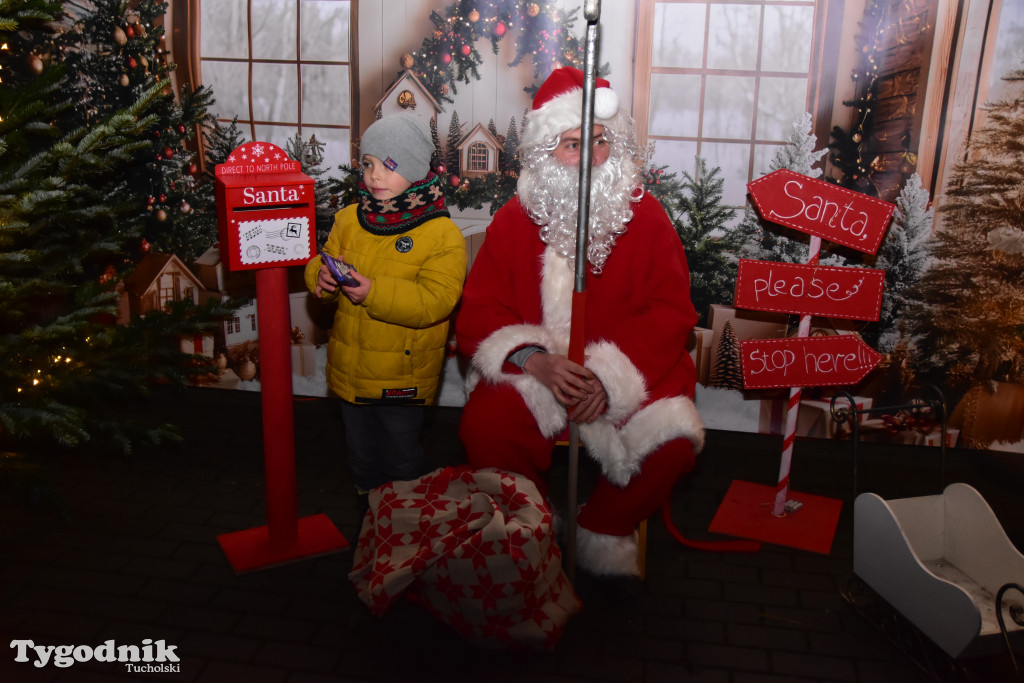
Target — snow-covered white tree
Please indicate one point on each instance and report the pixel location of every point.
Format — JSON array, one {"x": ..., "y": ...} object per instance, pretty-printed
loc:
[
  {"x": 770, "y": 242},
  {"x": 904, "y": 256}
]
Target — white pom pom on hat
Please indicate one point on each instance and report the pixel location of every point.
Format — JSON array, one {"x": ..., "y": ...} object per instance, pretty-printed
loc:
[{"x": 558, "y": 105}]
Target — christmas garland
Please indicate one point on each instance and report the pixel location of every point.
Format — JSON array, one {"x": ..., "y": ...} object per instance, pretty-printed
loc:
[{"x": 449, "y": 55}]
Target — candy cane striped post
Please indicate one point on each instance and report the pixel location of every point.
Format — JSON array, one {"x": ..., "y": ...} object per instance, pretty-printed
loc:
[{"x": 793, "y": 409}]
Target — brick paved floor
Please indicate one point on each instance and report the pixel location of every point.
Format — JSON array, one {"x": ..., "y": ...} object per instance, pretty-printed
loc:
[{"x": 125, "y": 548}]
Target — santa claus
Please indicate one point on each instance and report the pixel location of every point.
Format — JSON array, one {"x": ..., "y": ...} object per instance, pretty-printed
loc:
[{"x": 632, "y": 397}]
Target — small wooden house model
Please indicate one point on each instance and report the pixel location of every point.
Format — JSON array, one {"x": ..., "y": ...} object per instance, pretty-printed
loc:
[
  {"x": 408, "y": 94},
  {"x": 158, "y": 280},
  {"x": 478, "y": 153}
]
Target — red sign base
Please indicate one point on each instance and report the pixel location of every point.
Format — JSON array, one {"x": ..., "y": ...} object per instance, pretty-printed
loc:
[
  {"x": 252, "y": 549},
  {"x": 746, "y": 512}
]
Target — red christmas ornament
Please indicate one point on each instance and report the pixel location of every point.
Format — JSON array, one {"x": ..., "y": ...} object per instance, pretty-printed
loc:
[
  {"x": 168, "y": 152},
  {"x": 132, "y": 63},
  {"x": 466, "y": 49},
  {"x": 454, "y": 180},
  {"x": 446, "y": 58},
  {"x": 193, "y": 169},
  {"x": 151, "y": 199},
  {"x": 500, "y": 29},
  {"x": 144, "y": 245},
  {"x": 129, "y": 31},
  {"x": 181, "y": 128},
  {"x": 441, "y": 168},
  {"x": 163, "y": 198}
]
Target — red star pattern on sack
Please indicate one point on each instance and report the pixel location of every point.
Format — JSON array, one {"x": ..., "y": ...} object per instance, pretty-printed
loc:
[
  {"x": 488, "y": 591},
  {"x": 536, "y": 614}
]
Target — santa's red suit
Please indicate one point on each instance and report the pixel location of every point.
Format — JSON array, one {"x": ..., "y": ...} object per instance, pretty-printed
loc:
[{"x": 638, "y": 318}]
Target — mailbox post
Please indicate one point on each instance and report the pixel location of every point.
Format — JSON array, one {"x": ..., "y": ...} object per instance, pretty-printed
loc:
[{"x": 267, "y": 221}]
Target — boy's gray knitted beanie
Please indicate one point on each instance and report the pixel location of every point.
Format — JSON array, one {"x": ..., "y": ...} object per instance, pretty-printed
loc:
[{"x": 402, "y": 141}]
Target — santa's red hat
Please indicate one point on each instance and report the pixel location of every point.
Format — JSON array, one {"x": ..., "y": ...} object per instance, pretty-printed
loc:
[{"x": 558, "y": 106}]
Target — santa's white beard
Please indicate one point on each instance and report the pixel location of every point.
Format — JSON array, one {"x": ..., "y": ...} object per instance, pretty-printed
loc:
[{"x": 549, "y": 191}]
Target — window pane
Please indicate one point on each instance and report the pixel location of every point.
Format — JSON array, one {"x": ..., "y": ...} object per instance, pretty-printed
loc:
[
  {"x": 780, "y": 102},
  {"x": 273, "y": 29},
  {"x": 763, "y": 157},
  {"x": 325, "y": 94},
  {"x": 679, "y": 156},
  {"x": 1008, "y": 52},
  {"x": 336, "y": 146},
  {"x": 734, "y": 160},
  {"x": 279, "y": 135},
  {"x": 675, "y": 105},
  {"x": 732, "y": 36},
  {"x": 794, "y": 52},
  {"x": 728, "y": 107},
  {"x": 223, "y": 30},
  {"x": 275, "y": 92},
  {"x": 229, "y": 82},
  {"x": 678, "y": 35},
  {"x": 324, "y": 26}
]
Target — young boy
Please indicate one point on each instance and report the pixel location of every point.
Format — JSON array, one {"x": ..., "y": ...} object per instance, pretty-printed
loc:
[{"x": 390, "y": 331}]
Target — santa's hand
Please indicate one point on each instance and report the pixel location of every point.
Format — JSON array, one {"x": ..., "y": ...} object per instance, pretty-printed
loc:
[
  {"x": 591, "y": 406},
  {"x": 569, "y": 382}
]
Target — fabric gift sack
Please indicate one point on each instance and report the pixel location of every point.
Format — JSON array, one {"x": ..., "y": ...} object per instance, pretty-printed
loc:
[{"x": 476, "y": 548}]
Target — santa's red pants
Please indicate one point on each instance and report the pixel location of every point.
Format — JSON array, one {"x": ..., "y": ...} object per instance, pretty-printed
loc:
[{"x": 498, "y": 431}]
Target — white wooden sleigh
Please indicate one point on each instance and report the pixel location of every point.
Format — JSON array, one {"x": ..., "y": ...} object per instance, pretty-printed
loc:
[{"x": 940, "y": 561}]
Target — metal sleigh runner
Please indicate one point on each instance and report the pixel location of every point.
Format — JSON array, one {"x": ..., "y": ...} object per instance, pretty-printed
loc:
[{"x": 937, "y": 574}]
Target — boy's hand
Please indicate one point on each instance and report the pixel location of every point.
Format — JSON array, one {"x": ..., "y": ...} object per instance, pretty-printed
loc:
[
  {"x": 357, "y": 295},
  {"x": 325, "y": 281}
]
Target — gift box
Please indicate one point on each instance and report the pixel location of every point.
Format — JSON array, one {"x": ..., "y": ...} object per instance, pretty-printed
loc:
[{"x": 303, "y": 360}]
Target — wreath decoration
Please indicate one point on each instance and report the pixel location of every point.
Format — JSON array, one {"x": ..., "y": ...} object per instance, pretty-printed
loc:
[{"x": 449, "y": 55}]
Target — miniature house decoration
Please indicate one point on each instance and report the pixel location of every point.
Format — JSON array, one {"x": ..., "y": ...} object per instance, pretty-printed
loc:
[
  {"x": 478, "y": 153},
  {"x": 408, "y": 94}
]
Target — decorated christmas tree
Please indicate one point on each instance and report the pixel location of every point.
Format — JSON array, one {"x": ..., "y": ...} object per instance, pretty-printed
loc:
[
  {"x": 728, "y": 371},
  {"x": 701, "y": 224},
  {"x": 969, "y": 327},
  {"x": 78, "y": 160},
  {"x": 114, "y": 53}
]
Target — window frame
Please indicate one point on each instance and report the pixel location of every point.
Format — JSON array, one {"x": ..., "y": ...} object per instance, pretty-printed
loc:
[
  {"x": 185, "y": 45},
  {"x": 821, "y": 77}
]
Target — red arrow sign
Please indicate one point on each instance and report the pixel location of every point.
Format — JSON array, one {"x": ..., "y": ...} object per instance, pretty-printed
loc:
[
  {"x": 836, "y": 360},
  {"x": 853, "y": 293},
  {"x": 823, "y": 209}
]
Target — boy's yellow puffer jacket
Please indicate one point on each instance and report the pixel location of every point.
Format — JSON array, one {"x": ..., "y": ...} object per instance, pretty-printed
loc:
[{"x": 392, "y": 345}]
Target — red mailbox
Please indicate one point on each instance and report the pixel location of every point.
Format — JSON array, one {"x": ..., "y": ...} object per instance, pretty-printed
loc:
[
  {"x": 266, "y": 209},
  {"x": 267, "y": 217}
]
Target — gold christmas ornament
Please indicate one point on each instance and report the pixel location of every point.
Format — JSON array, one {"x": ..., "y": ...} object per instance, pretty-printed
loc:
[
  {"x": 474, "y": 16},
  {"x": 35, "y": 64},
  {"x": 120, "y": 37},
  {"x": 533, "y": 9},
  {"x": 406, "y": 61},
  {"x": 124, "y": 80}
]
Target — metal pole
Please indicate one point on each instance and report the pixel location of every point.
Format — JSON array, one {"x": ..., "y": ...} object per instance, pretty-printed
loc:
[{"x": 592, "y": 13}]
